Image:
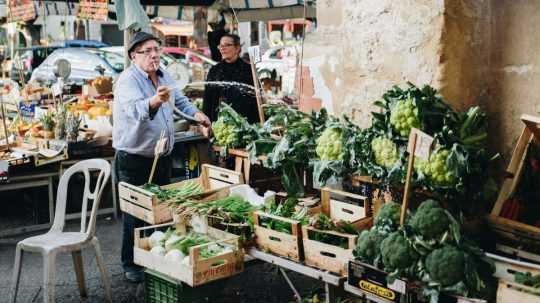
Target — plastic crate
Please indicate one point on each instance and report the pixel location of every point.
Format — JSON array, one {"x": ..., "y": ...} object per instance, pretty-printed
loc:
[
  {"x": 162, "y": 289},
  {"x": 159, "y": 289}
]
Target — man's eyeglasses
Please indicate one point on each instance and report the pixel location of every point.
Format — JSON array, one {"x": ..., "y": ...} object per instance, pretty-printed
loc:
[
  {"x": 148, "y": 51},
  {"x": 225, "y": 46}
]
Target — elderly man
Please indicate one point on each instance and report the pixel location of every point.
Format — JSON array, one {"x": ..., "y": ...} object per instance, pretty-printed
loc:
[{"x": 141, "y": 112}]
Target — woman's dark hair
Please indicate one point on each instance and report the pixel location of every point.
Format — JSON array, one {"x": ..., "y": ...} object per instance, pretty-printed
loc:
[{"x": 235, "y": 38}]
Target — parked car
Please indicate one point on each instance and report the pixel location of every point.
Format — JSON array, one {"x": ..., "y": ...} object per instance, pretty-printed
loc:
[
  {"x": 27, "y": 59},
  {"x": 84, "y": 43},
  {"x": 85, "y": 63}
]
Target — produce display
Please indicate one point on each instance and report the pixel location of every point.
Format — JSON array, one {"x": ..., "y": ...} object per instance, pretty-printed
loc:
[
  {"x": 285, "y": 210},
  {"x": 174, "y": 196},
  {"x": 325, "y": 223},
  {"x": 429, "y": 249},
  {"x": 291, "y": 153},
  {"x": 232, "y": 209},
  {"x": 175, "y": 246}
]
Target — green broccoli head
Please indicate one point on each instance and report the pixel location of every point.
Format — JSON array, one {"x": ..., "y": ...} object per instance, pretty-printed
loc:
[
  {"x": 388, "y": 215},
  {"x": 446, "y": 265},
  {"x": 397, "y": 252},
  {"x": 368, "y": 246},
  {"x": 430, "y": 220}
]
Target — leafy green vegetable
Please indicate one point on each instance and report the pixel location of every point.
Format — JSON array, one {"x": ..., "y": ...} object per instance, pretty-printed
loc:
[
  {"x": 527, "y": 279},
  {"x": 388, "y": 216},
  {"x": 291, "y": 153},
  {"x": 232, "y": 130},
  {"x": 286, "y": 210},
  {"x": 430, "y": 221},
  {"x": 174, "y": 196},
  {"x": 232, "y": 209},
  {"x": 323, "y": 223},
  {"x": 446, "y": 265},
  {"x": 368, "y": 246},
  {"x": 397, "y": 253}
]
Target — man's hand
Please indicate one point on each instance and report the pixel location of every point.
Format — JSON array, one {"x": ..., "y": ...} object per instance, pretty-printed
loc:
[
  {"x": 163, "y": 94},
  {"x": 203, "y": 119}
]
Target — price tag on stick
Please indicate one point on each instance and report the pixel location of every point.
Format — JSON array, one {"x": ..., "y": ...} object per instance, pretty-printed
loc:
[
  {"x": 422, "y": 149},
  {"x": 420, "y": 146},
  {"x": 158, "y": 151}
]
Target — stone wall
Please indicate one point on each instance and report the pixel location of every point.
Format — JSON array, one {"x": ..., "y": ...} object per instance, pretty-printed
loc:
[{"x": 476, "y": 52}]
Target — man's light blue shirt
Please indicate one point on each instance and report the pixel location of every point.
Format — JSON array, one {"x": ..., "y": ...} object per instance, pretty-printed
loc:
[{"x": 135, "y": 129}]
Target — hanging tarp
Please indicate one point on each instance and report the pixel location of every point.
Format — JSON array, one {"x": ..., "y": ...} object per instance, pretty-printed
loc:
[{"x": 130, "y": 14}]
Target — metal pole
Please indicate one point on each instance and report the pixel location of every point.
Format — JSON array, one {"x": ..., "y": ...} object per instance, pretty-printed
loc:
[{"x": 4, "y": 119}]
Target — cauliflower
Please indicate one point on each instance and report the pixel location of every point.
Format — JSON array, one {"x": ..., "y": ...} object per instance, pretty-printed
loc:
[
  {"x": 388, "y": 216},
  {"x": 329, "y": 145},
  {"x": 446, "y": 265},
  {"x": 430, "y": 220},
  {"x": 224, "y": 133},
  {"x": 368, "y": 246},
  {"x": 404, "y": 116},
  {"x": 436, "y": 169},
  {"x": 385, "y": 152},
  {"x": 397, "y": 253}
]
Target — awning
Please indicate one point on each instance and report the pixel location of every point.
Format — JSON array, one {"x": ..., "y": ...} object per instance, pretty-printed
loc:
[
  {"x": 267, "y": 10},
  {"x": 152, "y": 8},
  {"x": 251, "y": 4},
  {"x": 276, "y": 13}
]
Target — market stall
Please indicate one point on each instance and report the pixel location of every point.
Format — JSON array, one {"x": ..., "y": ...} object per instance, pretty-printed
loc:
[{"x": 391, "y": 217}]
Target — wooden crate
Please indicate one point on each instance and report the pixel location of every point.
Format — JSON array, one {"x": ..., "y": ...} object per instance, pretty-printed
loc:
[
  {"x": 506, "y": 228},
  {"x": 338, "y": 205},
  {"x": 509, "y": 292},
  {"x": 198, "y": 271},
  {"x": 278, "y": 243},
  {"x": 146, "y": 206},
  {"x": 505, "y": 268}
]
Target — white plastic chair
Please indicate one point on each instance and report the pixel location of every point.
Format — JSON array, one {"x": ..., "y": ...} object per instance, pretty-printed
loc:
[{"x": 57, "y": 241}]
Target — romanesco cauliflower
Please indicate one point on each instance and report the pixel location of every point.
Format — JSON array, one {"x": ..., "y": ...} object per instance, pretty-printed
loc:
[
  {"x": 404, "y": 116},
  {"x": 385, "y": 152}
]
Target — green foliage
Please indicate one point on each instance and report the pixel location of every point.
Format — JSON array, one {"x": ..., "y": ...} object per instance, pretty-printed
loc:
[
  {"x": 291, "y": 153},
  {"x": 527, "y": 279}
]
